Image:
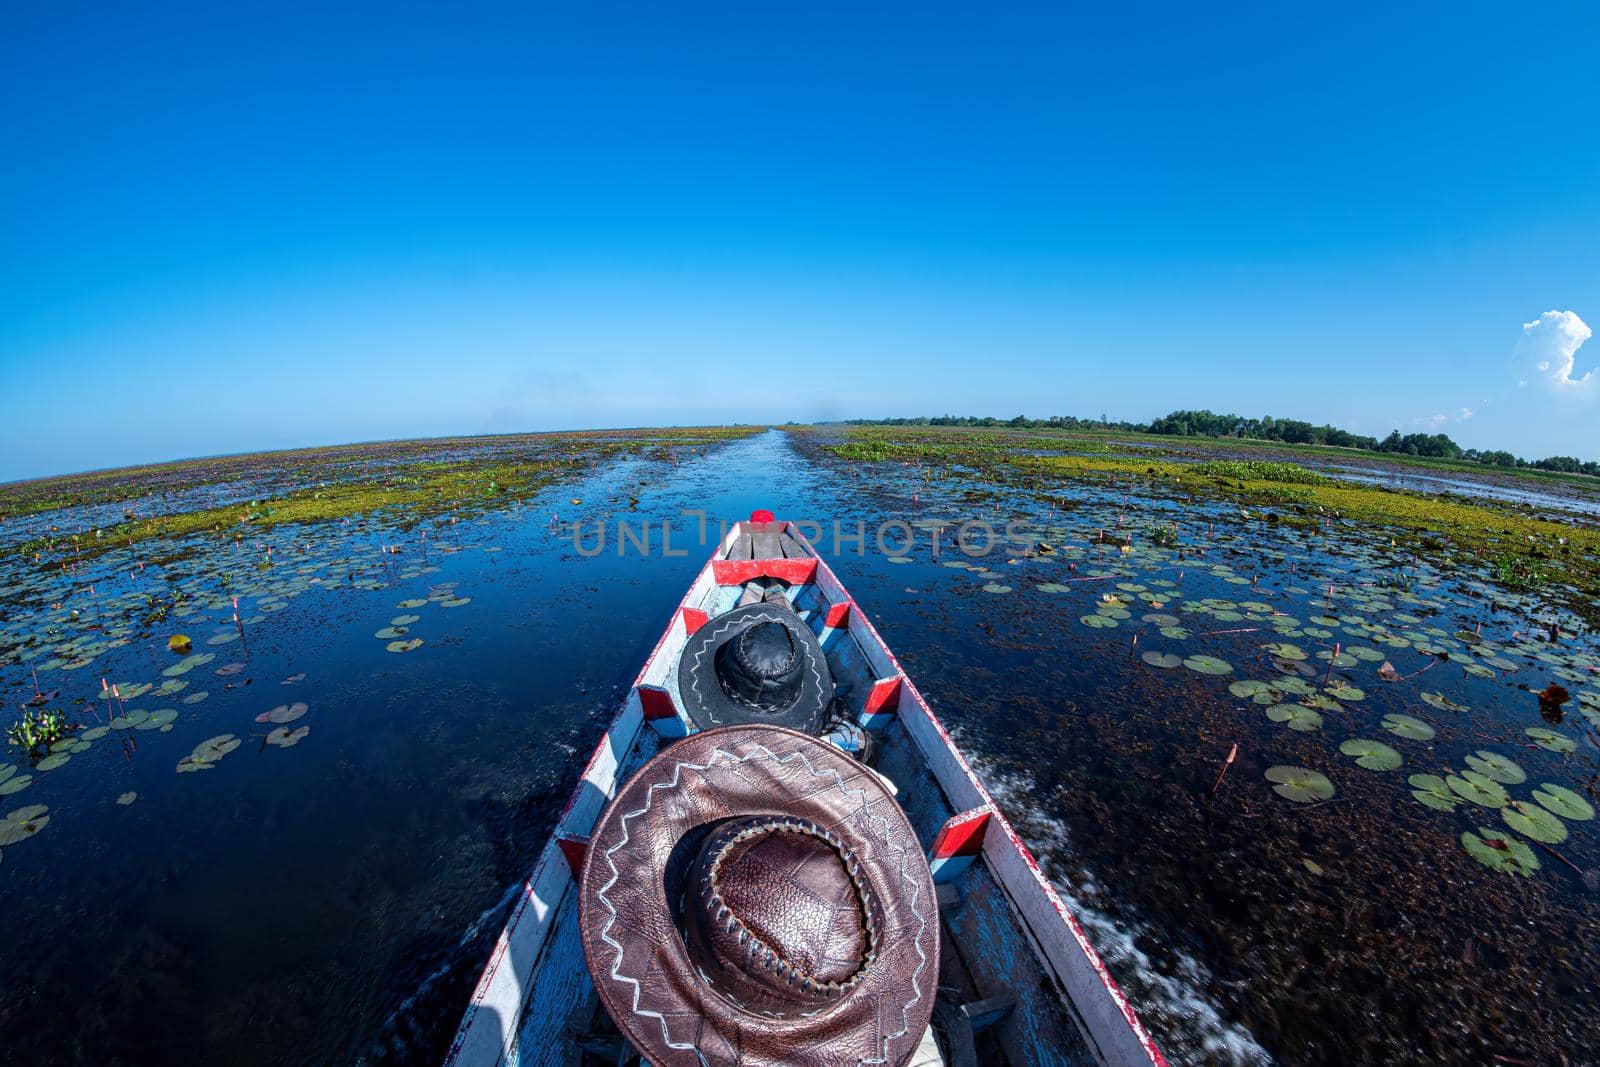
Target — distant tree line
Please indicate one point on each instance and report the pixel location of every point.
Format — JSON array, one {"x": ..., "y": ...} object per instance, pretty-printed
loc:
[{"x": 1266, "y": 428}]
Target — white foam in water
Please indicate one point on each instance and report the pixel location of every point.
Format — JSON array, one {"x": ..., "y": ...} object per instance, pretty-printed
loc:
[{"x": 1186, "y": 1024}]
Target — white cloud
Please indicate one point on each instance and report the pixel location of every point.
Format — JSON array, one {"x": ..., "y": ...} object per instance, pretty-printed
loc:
[
  {"x": 1464, "y": 414},
  {"x": 1430, "y": 422},
  {"x": 1546, "y": 354}
]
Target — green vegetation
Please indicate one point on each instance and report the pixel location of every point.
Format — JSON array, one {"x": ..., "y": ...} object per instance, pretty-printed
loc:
[
  {"x": 1204, "y": 423},
  {"x": 296, "y": 467},
  {"x": 319, "y": 485},
  {"x": 37, "y": 729}
]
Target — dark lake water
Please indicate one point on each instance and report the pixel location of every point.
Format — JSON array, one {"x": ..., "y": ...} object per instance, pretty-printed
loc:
[{"x": 333, "y": 901}]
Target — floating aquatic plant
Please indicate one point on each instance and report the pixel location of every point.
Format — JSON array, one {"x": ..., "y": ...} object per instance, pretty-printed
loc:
[
  {"x": 1500, "y": 851},
  {"x": 23, "y": 823},
  {"x": 1406, "y": 726},
  {"x": 1300, "y": 784},
  {"x": 207, "y": 753},
  {"x": 1208, "y": 665},
  {"x": 404, "y": 646},
  {"x": 1097, "y": 622},
  {"x": 1548, "y": 739},
  {"x": 158, "y": 720},
  {"x": 1494, "y": 765},
  {"x": 1297, "y": 717},
  {"x": 1373, "y": 755},
  {"x": 1164, "y": 660},
  {"x": 1478, "y": 788},
  {"x": 283, "y": 737},
  {"x": 127, "y": 798},
  {"x": 1431, "y": 790},
  {"x": 1563, "y": 802},
  {"x": 1532, "y": 821},
  {"x": 283, "y": 713},
  {"x": 992, "y": 587},
  {"x": 1442, "y": 702}
]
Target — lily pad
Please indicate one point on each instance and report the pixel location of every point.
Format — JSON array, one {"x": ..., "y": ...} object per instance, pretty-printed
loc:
[
  {"x": 1493, "y": 765},
  {"x": 214, "y": 748},
  {"x": 1442, "y": 702},
  {"x": 127, "y": 798},
  {"x": 413, "y": 603},
  {"x": 1373, "y": 755},
  {"x": 158, "y": 719},
  {"x": 1478, "y": 788},
  {"x": 455, "y": 602},
  {"x": 1551, "y": 741},
  {"x": 992, "y": 587},
  {"x": 404, "y": 620},
  {"x": 1097, "y": 622},
  {"x": 23, "y": 823},
  {"x": 52, "y": 761},
  {"x": 1431, "y": 790},
  {"x": 1208, "y": 665},
  {"x": 407, "y": 646},
  {"x": 1285, "y": 651},
  {"x": 1563, "y": 802},
  {"x": 283, "y": 737},
  {"x": 1299, "y": 784},
  {"x": 1500, "y": 851},
  {"x": 1532, "y": 821},
  {"x": 1406, "y": 726},
  {"x": 1297, "y": 717},
  {"x": 390, "y": 633},
  {"x": 9, "y": 785},
  {"x": 1164, "y": 660},
  {"x": 283, "y": 713}
]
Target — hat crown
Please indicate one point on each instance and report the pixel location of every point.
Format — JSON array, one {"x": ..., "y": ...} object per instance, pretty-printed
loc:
[
  {"x": 761, "y": 666},
  {"x": 782, "y": 919}
]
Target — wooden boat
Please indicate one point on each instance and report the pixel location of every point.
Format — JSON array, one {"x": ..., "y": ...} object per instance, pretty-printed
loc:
[{"x": 1020, "y": 983}]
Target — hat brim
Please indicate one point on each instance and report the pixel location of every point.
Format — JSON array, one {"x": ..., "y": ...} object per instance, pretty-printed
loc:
[
  {"x": 708, "y": 706},
  {"x": 641, "y": 968}
]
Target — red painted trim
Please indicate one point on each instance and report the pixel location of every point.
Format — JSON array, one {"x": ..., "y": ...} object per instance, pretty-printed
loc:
[
  {"x": 739, "y": 571},
  {"x": 885, "y": 696},
  {"x": 574, "y": 848},
  {"x": 693, "y": 619},
  {"x": 962, "y": 835},
  {"x": 838, "y": 614},
  {"x": 656, "y": 702}
]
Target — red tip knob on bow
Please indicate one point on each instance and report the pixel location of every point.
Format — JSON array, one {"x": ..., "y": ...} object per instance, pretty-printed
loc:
[{"x": 762, "y": 515}]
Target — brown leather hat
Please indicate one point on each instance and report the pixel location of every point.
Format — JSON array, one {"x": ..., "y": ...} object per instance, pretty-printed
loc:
[{"x": 753, "y": 896}]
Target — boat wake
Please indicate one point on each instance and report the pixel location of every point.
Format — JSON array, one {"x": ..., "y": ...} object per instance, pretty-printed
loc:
[
  {"x": 396, "y": 1035},
  {"x": 1169, "y": 993}
]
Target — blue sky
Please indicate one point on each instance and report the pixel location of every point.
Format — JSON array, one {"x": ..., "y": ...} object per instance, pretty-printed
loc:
[{"x": 229, "y": 231}]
